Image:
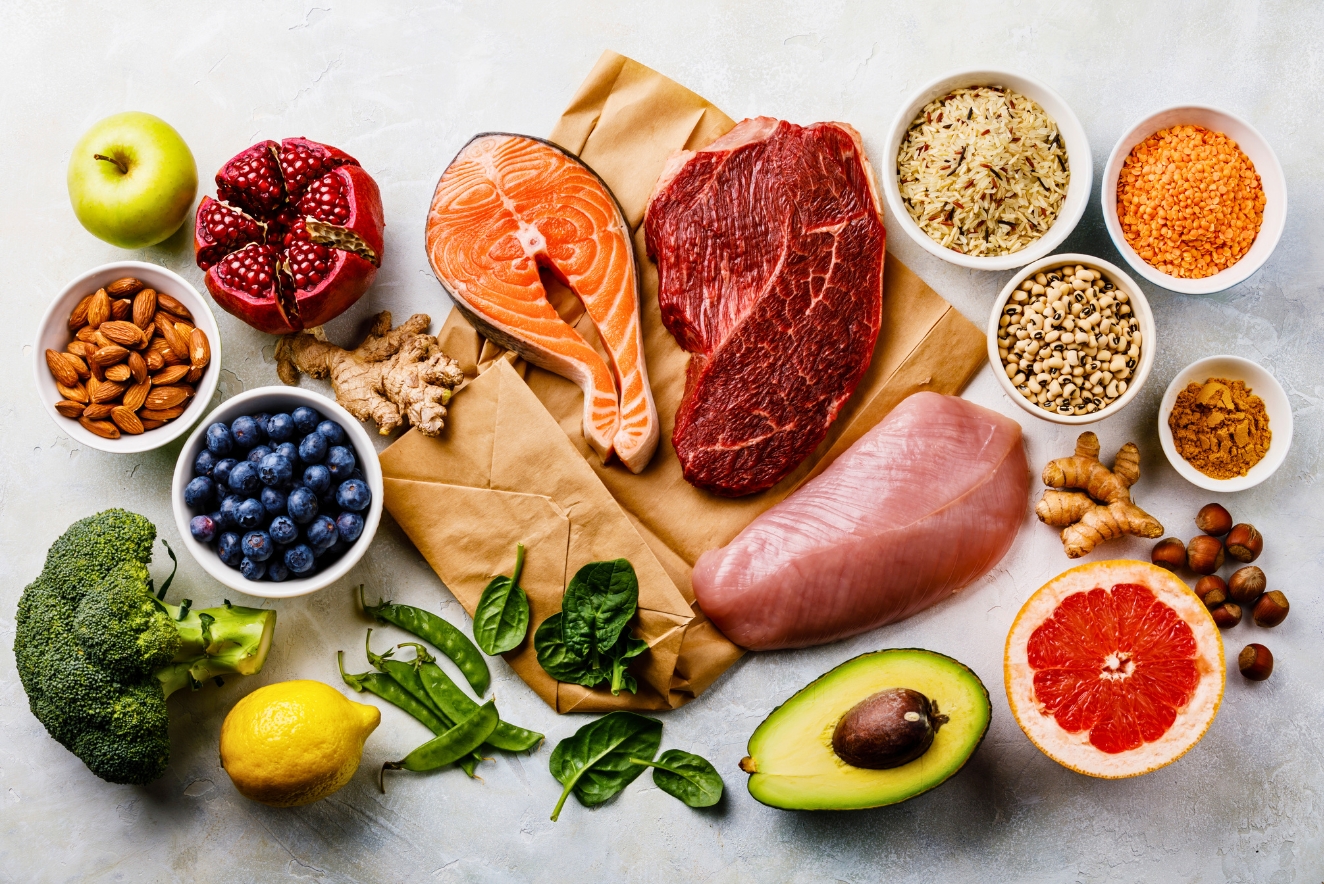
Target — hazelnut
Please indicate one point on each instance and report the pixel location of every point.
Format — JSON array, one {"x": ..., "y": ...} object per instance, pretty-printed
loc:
[
  {"x": 1213, "y": 519},
  {"x": 1244, "y": 543},
  {"x": 1169, "y": 553},
  {"x": 1214, "y": 584},
  {"x": 1227, "y": 615},
  {"x": 1255, "y": 662},
  {"x": 1246, "y": 584},
  {"x": 1271, "y": 609},
  {"x": 1204, "y": 554},
  {"x": 1215, "y": 598}
]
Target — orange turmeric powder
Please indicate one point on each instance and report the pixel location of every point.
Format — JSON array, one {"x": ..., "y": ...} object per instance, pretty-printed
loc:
[{"x": 1220, "y": 427}]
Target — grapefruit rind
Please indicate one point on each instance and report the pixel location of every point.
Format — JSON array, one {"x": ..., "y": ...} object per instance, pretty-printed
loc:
[{"x": 1073, "y": 750}]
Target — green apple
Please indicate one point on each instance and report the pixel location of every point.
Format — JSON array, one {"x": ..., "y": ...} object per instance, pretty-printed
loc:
[{"x": 132, "y": 180}]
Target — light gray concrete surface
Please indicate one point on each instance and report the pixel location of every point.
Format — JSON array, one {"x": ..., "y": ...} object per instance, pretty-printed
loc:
[{"x": 402, "y": 85}]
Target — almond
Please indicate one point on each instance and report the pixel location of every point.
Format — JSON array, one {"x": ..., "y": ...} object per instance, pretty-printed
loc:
[
  {"x": 154, "y": 360},
  {"x": 104, "y": 429},
  {"x": 98, "y": 309},
  {"x": 195, "y": 374},
  {"x": 124, "y": 287},
  {"x": 152, "y": 425},
  {"x": 144, "y": 309},
  {"x": 160, "y": 398},
  {"x": 76, "y": 393},
  {"x": 81, "y": 349},
  {"x": 61, "y": 369},
  {"x": 126, "y": 420},
  {"x": 98, "y": 411},
  {"x": 121, "y": 308},
  {"x": 135, "y": 396},
  {"x": 199, "y": 353},
  {"x": 171, "y": 337},
  {"x": 78, "y": 318},
  {"x": 87, "y": 334},
  {"x": 101, "y": 340},
  {"x": 118, "y": 373},
  {"x": 96, "y": 370},
  {"x": 185, "y": 331},
  {"x": 160, "y": 414},
  {"x": 108, "y": 391},
  {"x": 172, "y": 358},
  {"x": 92, "y": 384},
  {"x": 105, "y": 357},
  {"x": 137, "y": 367},
  {"x": 172, "y": 375},
  {"x": 171, "y": 305},
  {"x": 79, "y": 365},
  {"x": 69, "y": 408},
  {"x": 124, "y": 333}
]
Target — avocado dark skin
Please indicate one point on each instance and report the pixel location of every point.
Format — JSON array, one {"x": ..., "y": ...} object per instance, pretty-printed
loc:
[{"x": 888, "y": 729}]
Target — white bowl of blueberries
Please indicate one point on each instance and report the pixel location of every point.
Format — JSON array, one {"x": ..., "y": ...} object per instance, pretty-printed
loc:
[{"x": 277, "y": 493}]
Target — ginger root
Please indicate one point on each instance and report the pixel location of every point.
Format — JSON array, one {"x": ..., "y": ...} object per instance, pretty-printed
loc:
[
  {"x": 1102, "y": 509},
  {"x": 395, "y": 376}
]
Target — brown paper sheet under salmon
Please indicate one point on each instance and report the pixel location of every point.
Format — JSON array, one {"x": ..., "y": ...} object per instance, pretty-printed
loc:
[{"x": 625, "y": 121}]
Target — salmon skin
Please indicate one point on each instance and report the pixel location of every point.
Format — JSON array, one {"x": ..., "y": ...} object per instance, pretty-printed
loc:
[{"x": 510, "y": 204}]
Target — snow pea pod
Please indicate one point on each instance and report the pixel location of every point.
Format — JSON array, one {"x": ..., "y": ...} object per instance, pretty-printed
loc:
[
  {"x": 440, "y": 634},
  {"x": 451, "y": 746},
  {"x": 447, "y": 696},
  {"x": 389, "y": 689}
]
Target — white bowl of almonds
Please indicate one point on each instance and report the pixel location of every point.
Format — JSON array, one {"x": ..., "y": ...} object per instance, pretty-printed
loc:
[
  {"x": 127, "y": 357},
  {"x": 1095, "y": 327}
]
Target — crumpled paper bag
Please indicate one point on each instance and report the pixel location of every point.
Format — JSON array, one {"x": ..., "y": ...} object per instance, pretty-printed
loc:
[{"x": 458, "y": 497}]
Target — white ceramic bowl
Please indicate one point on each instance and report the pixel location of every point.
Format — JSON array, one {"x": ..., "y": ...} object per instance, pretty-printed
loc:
[
  {"x": 53, "y": 334},
  {"x": 1262, "y": 384},
  {"x": 1266, "y": 164},
  {"x": 1078, "y": 158},
  {"x": 1139, "y": 308},
  {"x": 275, "y": 400}
]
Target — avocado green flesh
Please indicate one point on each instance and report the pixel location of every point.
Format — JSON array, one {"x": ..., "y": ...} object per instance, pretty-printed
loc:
[{"x": 791, "y": 751}]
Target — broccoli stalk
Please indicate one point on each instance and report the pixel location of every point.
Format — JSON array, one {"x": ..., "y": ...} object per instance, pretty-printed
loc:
[{"x": 98, "y": 652}]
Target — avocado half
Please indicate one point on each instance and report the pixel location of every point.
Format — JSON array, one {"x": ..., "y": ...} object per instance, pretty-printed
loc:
[{"x": 791, "y": 762}]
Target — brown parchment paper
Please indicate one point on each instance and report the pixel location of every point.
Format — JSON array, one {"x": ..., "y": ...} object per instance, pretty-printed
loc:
[{"x": 625, "y": 121}]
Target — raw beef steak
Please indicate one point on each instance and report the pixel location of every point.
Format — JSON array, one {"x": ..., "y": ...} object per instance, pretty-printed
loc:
[{"x": 769, "y": 247}]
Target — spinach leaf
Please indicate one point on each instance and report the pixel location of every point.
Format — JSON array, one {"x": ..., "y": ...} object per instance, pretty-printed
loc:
[
  {"x": 596, "y": 762},
  {"x": 624, "y": 649},
  {"x": 598, "y": 605},
  {"x": 501, "y": 620},
  {"x": 559, "y": 662},
  {"x": 686, "y": 776}
]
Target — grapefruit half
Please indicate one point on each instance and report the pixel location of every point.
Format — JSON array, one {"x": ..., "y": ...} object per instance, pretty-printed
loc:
[{"x": 1114, "y": 669}]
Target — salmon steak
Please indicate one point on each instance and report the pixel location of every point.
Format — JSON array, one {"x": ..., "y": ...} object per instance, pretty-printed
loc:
[{"x": 510, "y": 205}]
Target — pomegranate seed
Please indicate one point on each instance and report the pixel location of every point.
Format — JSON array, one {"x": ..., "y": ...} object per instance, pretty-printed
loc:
[
  {"x": 252, "y": 180},
  {"x": 250, "y": 270},
  {"x": 303, "y": 162},
  {"x": 325, "y": 200},
  {"x": 223, "y": 229},
  {"x": 308, "y": 263}
]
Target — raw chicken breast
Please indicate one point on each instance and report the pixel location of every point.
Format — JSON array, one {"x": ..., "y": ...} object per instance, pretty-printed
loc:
[{"x": 920, "y": 506}]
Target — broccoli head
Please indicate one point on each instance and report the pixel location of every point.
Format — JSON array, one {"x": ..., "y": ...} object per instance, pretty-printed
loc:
[{"x": 98, "y": 652}]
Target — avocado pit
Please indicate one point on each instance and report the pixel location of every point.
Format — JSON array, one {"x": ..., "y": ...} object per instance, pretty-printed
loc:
[{"x": 888, "y": 729}]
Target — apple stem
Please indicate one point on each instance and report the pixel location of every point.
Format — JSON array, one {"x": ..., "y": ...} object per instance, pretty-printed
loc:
[{"x": 124, "y": 170}]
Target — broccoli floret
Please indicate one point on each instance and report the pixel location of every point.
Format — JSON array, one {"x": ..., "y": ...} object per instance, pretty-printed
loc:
[{"x": 98, "y": 653}]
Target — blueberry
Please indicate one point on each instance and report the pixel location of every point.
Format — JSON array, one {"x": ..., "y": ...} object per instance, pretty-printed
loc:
[
  {"x": 289, "y": 451},
  {"x": 340, "y": 461},
  {"x": 244, "y": 478},
  {"x": 203, "y": 528},
  {"x": 348, "y": 525},
  {"x": 317, "y": 478},
  {"x": 305, "y": 419},
  {"x": 221, "y": 472},
  {"x": 227, "y": 547},
  {"x": 283, "y": 529},
  {"x": 218, "y": 521},
  {"x": 251, "y": 513},
  {"x": 252, "y": 570},
  {"x": 203, "y": 463},
  {"x": 229, "y": 511},
  {"x": 280, "y": 428},
  {"x": 246, "y": 432},
  {"x": 321, "y": 532},
  {"x": 312, "y": 448},
  {"x": 259, "y": 452},
  {"x": 275, "y": 470},
  {"x": 353, "y": 494},
  {"x": 219, "y": 440},
  {"x": 302, "y": 506},
  {"x": 299, "y": 559},
  {"x": 261, "y": 419},
  {"x": 198, "y": 493},
  {"x": 257, "y": 545},
  {"x": 332, "y": 431},
  {"x": 273, "y": 501},
  {"x": 276, "y": 570}
]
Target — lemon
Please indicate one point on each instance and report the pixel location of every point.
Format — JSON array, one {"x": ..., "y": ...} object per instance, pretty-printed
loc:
[{"x": 294, "y": 742}]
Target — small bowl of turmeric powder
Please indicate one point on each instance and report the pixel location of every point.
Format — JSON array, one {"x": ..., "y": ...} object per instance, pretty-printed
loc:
[
  {"x": 1194, "y": 198},
  {"x": 1225, "y": 423}
]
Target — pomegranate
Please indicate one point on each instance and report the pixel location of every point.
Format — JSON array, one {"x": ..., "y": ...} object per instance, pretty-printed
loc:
[{"x": 294, "y": 237}]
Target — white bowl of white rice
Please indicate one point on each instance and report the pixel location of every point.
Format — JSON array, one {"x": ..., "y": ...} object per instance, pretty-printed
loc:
[{"x": 978, "y": 176}]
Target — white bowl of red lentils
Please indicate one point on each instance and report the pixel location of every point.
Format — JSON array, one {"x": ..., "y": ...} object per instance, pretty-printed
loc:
[{"x": 1194, "y": 198}]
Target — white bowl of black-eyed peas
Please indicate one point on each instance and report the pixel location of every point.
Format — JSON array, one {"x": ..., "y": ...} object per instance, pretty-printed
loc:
[{"x": 1071, "y": 339}]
